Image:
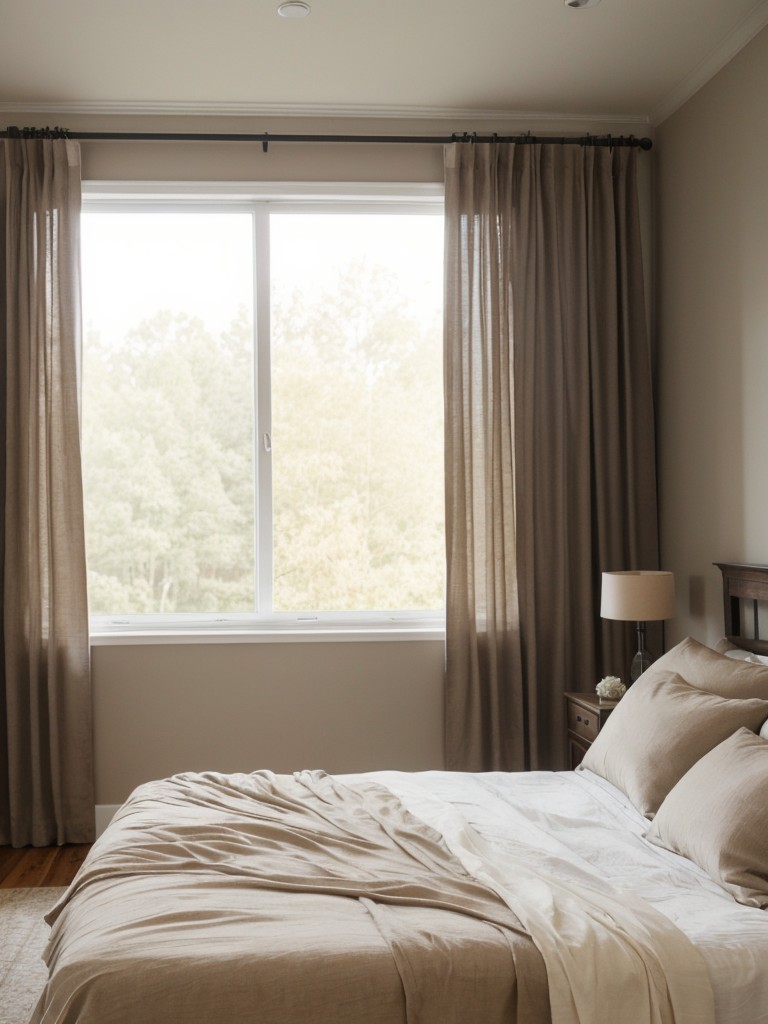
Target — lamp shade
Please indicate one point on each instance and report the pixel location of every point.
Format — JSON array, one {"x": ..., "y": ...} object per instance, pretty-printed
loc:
[{"x": 638, "y": 596}]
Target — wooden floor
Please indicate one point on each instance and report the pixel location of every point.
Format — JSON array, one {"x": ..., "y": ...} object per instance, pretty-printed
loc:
[{"x": 32, "y": 867}]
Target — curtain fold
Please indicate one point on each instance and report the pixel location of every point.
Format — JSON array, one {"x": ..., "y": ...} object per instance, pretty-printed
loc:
[
  {"x": 550, "y": 448},
  {"x": 46, "y": 785}
]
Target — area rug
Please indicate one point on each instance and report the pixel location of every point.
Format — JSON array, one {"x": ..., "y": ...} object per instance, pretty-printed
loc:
[{"x": 23, "y": 935}]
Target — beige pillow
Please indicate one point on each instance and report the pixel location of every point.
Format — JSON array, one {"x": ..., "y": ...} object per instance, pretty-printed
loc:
[
  {"x": 717, "y": 816},
  {"x": 659, "y": 729},
  {"x": 706, "y": 669}
]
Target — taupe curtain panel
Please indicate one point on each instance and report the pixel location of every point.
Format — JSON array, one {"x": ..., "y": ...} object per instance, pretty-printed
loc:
[
  {"x": 46, "y": 787},
  {"x": 550, "y": 465}
]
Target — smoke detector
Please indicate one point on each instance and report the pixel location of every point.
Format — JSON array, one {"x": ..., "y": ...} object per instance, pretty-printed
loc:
[
  {"x": 581, "y": 3},
  {"x": 293, "y": 9}
]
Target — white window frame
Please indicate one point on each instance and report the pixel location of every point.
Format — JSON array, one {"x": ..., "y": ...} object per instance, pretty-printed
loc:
[{"x": 260, "y": 199}]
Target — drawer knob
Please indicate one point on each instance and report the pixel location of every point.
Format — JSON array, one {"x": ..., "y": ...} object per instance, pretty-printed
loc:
[{"x": 586, "y": 721}]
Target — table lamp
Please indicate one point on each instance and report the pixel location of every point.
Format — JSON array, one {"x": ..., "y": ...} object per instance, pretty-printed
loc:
[{"x": 638, "y": 596}]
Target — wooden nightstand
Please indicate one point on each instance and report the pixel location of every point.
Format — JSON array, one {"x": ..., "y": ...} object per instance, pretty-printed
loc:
[{"x": 586, "y": 717}]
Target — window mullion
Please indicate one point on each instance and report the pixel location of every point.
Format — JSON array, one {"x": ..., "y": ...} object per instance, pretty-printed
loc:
[{"x": 263, "y": 410}]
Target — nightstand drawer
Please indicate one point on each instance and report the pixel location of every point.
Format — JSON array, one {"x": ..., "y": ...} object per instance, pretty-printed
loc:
[
  {"x": 586, "y": 716},
  {"x": 583, "y": 722}
]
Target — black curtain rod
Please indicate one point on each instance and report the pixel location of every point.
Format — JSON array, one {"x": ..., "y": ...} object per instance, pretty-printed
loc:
[{"x": 265, "y": 138}]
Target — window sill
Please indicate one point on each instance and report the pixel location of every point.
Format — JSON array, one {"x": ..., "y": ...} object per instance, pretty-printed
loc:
[{"x": 287, "y": 635}]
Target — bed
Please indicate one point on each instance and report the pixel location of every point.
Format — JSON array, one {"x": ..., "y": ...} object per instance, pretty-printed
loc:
[{"x": 632, "y": 890}]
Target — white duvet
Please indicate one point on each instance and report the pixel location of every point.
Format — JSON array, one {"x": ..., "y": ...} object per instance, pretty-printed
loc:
[{"x": 555, "y": 844}]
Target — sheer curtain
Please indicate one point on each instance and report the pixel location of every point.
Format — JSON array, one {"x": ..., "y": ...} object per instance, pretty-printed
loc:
[
  {"x": 550, "y": 463},
  {"x": 46, "y": 774}
]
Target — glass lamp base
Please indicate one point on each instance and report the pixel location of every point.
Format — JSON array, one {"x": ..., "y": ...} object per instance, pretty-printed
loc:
[
  {"x": 640, "y": 663},
  {"x": 642, "y": 659}
]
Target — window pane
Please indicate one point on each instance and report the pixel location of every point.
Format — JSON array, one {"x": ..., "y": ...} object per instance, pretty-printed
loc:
[
  {"x": 168, "y": 411},
  {"x": 357, "y": 411}
]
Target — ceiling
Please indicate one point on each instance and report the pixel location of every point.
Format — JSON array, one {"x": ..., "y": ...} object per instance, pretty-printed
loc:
[{"x": 622, "y": 59}]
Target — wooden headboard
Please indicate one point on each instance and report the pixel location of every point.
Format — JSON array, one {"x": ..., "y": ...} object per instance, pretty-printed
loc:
[{"x": 744, "y": 583}]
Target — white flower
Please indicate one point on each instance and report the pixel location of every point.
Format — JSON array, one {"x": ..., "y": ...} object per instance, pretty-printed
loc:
[{"x": 610, "y": 688}]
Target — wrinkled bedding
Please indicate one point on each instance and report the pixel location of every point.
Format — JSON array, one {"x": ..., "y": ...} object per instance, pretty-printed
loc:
[
  {"x": 279, "y": 900},
  {"x": 394, "y": 898}
]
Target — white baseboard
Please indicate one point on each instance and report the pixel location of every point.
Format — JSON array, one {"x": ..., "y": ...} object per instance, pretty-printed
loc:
[{"x": 104, "y": 814}]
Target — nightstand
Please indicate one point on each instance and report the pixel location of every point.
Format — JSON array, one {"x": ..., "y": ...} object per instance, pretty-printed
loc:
[{"x": 586, "y": 716}]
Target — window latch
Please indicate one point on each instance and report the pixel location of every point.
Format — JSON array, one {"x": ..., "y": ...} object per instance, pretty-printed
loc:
[{"x": 267, "y": 442}]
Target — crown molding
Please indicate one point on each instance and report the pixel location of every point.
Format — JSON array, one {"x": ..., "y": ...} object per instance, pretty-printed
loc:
[
  {"x": 715, "y": 61},
  {"x": 345, "y": 111}
]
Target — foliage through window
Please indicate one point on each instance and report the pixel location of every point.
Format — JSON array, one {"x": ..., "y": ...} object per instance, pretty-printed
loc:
[{"x": 262, "y": 410}]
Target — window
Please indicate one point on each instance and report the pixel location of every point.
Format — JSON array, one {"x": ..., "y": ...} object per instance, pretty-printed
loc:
[{"x": 262, "y": 411}]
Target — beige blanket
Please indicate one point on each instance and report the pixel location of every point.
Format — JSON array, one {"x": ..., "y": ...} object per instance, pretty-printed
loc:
[{"x": 282, "y": 900}]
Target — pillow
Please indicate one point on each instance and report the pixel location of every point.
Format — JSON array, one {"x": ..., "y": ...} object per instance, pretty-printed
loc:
[
  {"x": 659, "y": 729},
  {"x": 717, "y": 816},
  {"x": 730, "y": 650},
  {"x": 707, "y": 670}
]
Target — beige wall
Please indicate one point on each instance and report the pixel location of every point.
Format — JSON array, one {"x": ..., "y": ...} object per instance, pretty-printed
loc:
[
  {"x": 712, "y": 232},
  {"x": 340, "y": 706}
]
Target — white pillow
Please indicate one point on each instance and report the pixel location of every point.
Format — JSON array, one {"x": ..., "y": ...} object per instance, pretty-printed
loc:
[
  {"x": 737, "y": 653},
  {"x": 753, "y": 659},
  {"x": 725, "y": 647}
]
